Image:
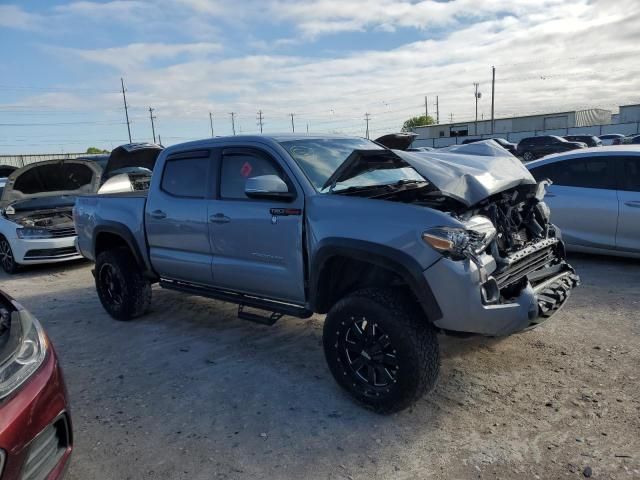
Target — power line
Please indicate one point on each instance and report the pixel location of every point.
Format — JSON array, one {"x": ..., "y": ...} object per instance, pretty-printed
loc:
[
  {"x": 126, "y": 111},
  {"x": 233, "y": 122},
  {"x": 260, "y": 119},
  {"x": 153, "y": 130},
  {"x": 367, "y": 116}
]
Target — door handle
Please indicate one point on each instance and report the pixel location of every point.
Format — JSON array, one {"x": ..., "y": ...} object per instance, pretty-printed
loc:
[
  {"x": 159, "y": 214},
  {"x": 219, "y": 218},
  {"x": 633, "y": 203}
]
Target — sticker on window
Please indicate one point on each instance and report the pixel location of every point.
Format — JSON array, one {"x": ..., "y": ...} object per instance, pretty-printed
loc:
[{"x": 245, "y": 171}]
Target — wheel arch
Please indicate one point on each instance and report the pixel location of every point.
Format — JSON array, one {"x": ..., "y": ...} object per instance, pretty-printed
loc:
[
  {"x": 113, "y": 235},
  {"x": 380, "y": 259}
]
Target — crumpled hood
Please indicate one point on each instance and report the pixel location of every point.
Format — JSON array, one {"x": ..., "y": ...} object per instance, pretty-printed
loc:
[
  {"x": 51, "y": 178},
  {"x": 469, "y": 173}
]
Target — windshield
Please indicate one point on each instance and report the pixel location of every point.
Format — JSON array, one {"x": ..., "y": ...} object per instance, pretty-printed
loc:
[{"x": 320, "y": 158}]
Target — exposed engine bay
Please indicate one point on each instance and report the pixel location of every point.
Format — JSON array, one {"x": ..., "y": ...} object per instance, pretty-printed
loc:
[
  {"x": 48, "y": 219},
  {"x": 526, "y": 247}
]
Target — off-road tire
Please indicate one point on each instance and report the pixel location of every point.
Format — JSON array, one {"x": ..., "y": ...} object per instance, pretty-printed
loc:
[
  {"x": 7, "y": 259},
  {"x": 528, "y": 156},
  {"x": 412, "y": 342},
  {"x": 134, "y": 289}
]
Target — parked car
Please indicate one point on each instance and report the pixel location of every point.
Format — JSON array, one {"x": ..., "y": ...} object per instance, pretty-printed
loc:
[
  {"x": 610, "y": 138},
  {"x": 392, "y": 245},
  {"x": 588, "y": 140},
  {"x": 420, "y": 149},
  {"x": 535, "y": 147},
  {"x": 36, "y": 224},
  {"x": 595, "y": 198},
  {"x": 3, "y": 182},
  {"x": 510, "y": 147},
  {"x": 35, "y": 427},
  {"x": 633, "y": 140},
  {"x": 6, "y": 170}
]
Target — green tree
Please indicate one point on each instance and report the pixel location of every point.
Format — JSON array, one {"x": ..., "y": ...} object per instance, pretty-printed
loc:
[
  {"x": 96, "y": 150},
  {"x": 421, "y": 121}
]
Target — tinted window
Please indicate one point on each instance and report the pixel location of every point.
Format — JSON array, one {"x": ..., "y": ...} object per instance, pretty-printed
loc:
[
  {"x": 595, "y": 172},
  {"x": 186, "y": 177},
  {"x": 237, "y": 168},
  {"x": 631, "y": 174}
]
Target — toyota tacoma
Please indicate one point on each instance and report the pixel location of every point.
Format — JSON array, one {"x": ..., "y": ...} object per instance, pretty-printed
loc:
[{"x": 393, "y": 246}]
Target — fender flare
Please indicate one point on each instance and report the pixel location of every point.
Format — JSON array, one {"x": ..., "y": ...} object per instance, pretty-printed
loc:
[
  {"x": 390, "y": 258},
  {"x": 122, "y": 231}
]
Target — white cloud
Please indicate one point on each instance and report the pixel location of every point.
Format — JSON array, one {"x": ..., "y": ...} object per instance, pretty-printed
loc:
[
  {"x": 550, "y": 55},
  {"x": 12, "y": 16},
  {"x": 136, "y": 55}
]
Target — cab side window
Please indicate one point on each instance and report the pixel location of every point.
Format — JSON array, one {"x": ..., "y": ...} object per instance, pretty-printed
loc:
[
  {"x": 238, "y": 167},
  {"x": 186, "y": 177}
]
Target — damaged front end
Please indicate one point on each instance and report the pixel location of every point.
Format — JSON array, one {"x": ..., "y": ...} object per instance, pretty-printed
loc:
[
  {"x": 527, "y": 249},
  {"x": 516, "y": 257}
]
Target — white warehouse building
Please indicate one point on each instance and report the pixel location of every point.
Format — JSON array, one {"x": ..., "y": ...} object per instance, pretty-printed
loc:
[{"x": 529, "y": 123}]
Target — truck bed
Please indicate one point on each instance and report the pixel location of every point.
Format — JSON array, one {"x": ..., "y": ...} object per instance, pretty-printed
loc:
[{"x": 115, "y": 212}]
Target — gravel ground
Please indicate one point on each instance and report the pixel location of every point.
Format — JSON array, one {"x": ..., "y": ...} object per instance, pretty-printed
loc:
[{"x": 191, "y": 392}]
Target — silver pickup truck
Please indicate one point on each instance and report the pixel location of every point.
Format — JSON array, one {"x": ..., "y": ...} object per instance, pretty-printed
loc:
[{"x": 393, "y": 246}]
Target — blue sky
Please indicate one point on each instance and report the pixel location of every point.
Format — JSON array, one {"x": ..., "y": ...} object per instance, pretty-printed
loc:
[{"x": 327, "y": 61}]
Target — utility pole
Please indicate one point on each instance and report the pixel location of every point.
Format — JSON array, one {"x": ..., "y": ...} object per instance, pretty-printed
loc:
[
  {"x": 159, "y": 140},
  {"x": 493, "y": 93},
  {"x": 260, "y": 119},
  {"x": 233, "y": 122},
  {"x": 293, "y": 127},
  {"x": 211, "y": 123},
  {"x": 366, "y": 119},
  {"x": 477, "y": 95},
  {"x": 153, "y": 128},
  {"x": 437, "y": 111},
  {"x": 126, "y": 111},
  {"x": 426, "y": 107},
  {"x": 307, "y": 127},
  {"x": 451, "y": 117}
]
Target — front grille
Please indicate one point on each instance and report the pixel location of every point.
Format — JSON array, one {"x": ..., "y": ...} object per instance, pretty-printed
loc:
[
  {"x": 525, "y": 262},
  {"x": 50, "y": 253},
  {"x": 46, "y": 450},
  {"x": 62, "y": 232}
]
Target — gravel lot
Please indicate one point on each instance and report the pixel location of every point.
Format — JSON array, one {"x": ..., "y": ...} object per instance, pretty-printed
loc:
[{"x": 191, "y": 392}]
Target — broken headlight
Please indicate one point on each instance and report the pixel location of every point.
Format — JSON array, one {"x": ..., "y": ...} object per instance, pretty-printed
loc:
[
  {"x": 455, "y": 242},
  {"x": 22, "y": 351},
  {"x": 33, "y": 233}
]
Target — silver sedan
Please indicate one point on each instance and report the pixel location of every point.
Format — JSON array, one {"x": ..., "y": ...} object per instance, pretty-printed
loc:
[{"x": 595, "y": 198}]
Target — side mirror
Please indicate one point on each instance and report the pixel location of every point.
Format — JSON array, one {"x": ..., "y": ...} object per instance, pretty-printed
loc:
[{"x": 267, "y": 186}]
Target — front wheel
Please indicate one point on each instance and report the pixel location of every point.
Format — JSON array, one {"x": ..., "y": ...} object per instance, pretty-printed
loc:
[
  {"x": 528, "y": 156},
  {"x": 122, "y": 289},
  {"x": 7, "y": 260},
  {"x": 381, "y": 349}
]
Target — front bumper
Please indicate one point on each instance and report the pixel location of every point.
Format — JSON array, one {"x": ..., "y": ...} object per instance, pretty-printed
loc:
[
  {"x": 35, "y": 428},
  {"x": 459, "y": 287},
  {"x": 48, "y": 250}
]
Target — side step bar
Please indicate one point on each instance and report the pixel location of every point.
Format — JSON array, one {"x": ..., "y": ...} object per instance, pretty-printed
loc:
[{"x": 278, "y": 309}]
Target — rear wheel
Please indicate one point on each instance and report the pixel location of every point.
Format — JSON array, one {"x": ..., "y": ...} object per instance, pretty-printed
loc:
[
  {"x": 381, "y": 349},
  {"x": 122, "y": 289},
  {"x": 7, "y": 260},
  {"x": 528, "y": 156}
]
